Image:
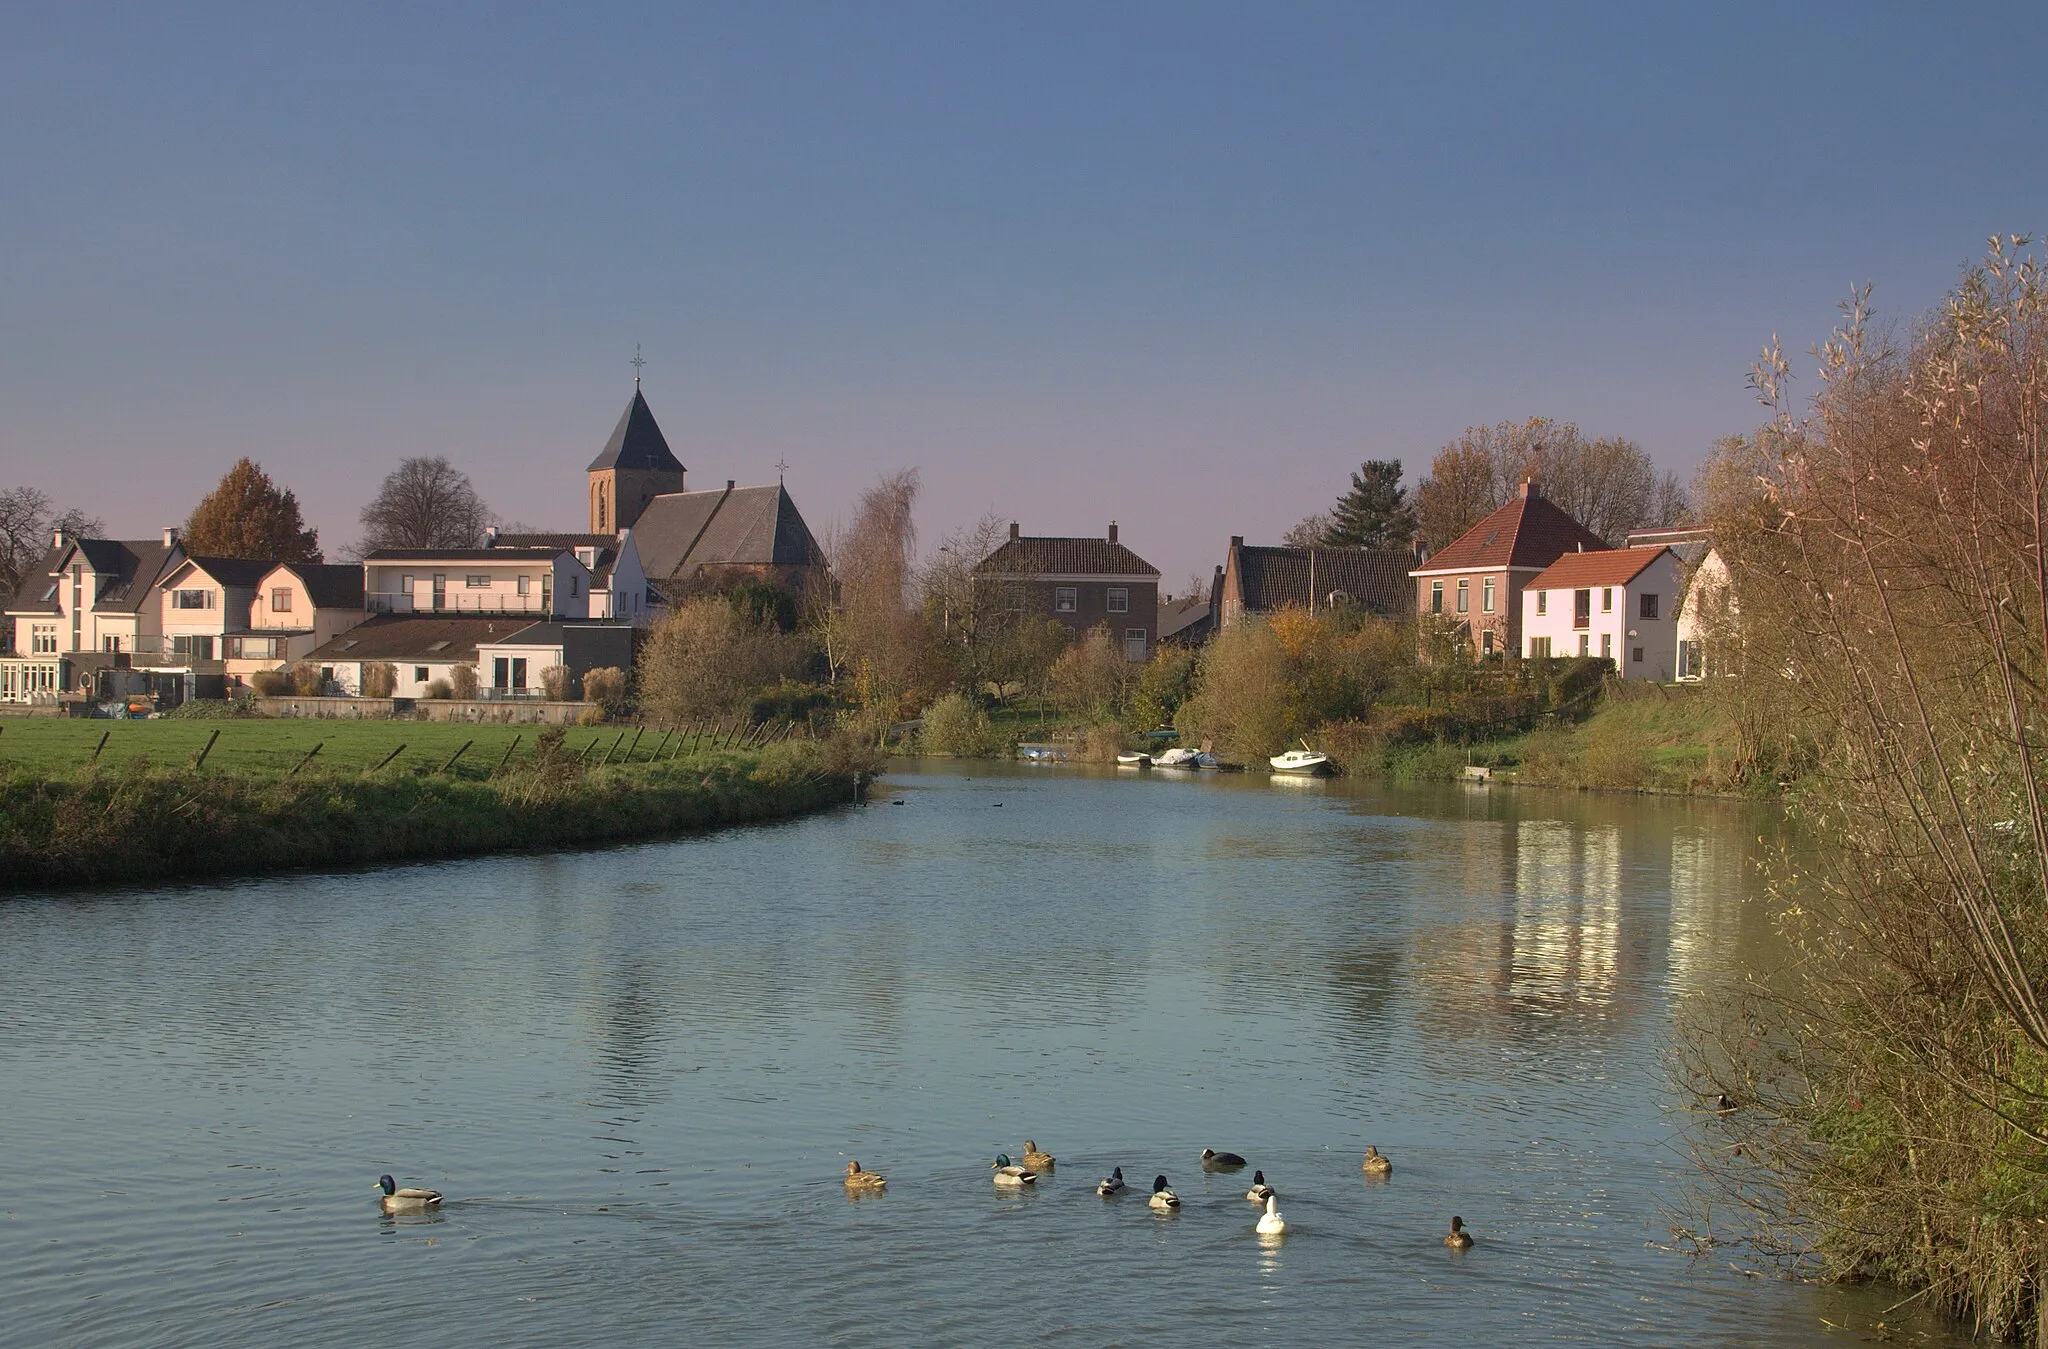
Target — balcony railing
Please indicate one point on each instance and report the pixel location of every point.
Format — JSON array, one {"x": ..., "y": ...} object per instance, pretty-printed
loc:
[{"x": 457, "y": 602}]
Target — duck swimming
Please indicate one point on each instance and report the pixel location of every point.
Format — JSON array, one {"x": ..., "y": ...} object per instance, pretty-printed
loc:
[
  {"x": 1162, "y": 1198},
  {"x": 857, "y": 1179},
  {"x": 1375, "y": 1164},
  {"x": 1458, "y": 1239},
  {"x": 1271, "y": 1224},
  {"x": 1112, "y": 1184},
  {"x": 1036, "y": 1160},
  {"x": 396, "y": 1200},
  {"x": 1260, "y": 1192},
  {"x": 1012, "y": 1175},
  {"x": 1213, "y": 1160}
]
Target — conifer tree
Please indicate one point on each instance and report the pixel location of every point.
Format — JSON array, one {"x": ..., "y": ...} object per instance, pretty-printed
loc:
[
  {"x": 248, "y": 515},
  {"x": 1376, "y": 512}
]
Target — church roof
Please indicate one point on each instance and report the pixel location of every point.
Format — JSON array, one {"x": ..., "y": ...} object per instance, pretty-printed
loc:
[
  {"x": 679, "y": 532},
  {"x": 637, "y": 442}
]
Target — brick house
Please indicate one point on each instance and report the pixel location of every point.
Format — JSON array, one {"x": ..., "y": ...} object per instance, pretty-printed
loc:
[
  {"x": 1476, "y": 582},
  {"x": 1083, "y": 583}
]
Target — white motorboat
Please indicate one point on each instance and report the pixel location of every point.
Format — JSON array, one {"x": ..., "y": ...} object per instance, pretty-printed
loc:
[
  {"x": 1131, "y": 758},
  {"x": 1300, "y": 761},
  {"x": 1176, "y": 758}
]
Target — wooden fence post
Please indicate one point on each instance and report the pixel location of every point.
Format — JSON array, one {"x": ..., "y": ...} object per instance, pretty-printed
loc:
[
  {"x": 613, "y": 750},
  {"x": 457, "y": 755},
  {"x": 635, "y": 745},
  {"x": 386, "y": 759},
  {"x": 308, "y": 759},
  {"x": 508, "y": 756},
  {"x": 205, "y": 750},
  {"x": 100, "y": 746}
]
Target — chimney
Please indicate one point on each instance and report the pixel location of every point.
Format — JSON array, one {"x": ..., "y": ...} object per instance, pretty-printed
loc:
[
  {"x": 1013, "y": 531},
  {"x": 1582, "y": 545},
  {"x": 1529, "y": 488},
  {"x": 56, "y": 538},
  {"x": 1237, "y": 540},
  {"x": 1112, "y": 531},
  {"x": 1421, "y": 551},
  {"x": 490, "y": 536},
  {"x": 170, "y": 536},
  {"x": 729, "y": 482}
]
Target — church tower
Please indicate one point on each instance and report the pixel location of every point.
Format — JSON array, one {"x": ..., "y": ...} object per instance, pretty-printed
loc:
[{"x": 634, "y": 467}]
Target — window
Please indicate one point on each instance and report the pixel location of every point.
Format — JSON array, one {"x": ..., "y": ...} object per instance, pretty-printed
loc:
[
  {"x": 1607, "y": 646},
  {"x": 476, "y": 582},
  {"x": 1436, "y": 597},
  {"x": 440, "y": 590},
  {"x": 281, "y": 600},
  {"x": 1013, "y": 598},
  {"x": 1691, "y": 660},
  {"x": 1607, "y": 599},
  {"x": 42, "y": 639},
  {"x": 420, "y": 674},
  {"x": 1119, "y": 600},
  {"x": 1486, "y": 596},
  {"x": 1134, "y": 644},
  {"x": 1648, "y": 607},
  {"x": 1584, "y": 648},
  {"x": 1065, "y": 599},
  {"x": 1582, "y": 612},
  {"x": 1539, "y": 648},
  {"x": 253, "y": 648},
  {"x": 1464, "y": 595},
  {"x": 1543, "y": 601},
  {"x": 110, "y": 643},
  {"x": 1486, "y": 641},
  {"x": 575, "y": 587},
  {"x": 192, "y": 646},
  {"x": 1637, "y": 656},
  {"x": 191, "y": 599},
  {"x": 526, "y": 585}
]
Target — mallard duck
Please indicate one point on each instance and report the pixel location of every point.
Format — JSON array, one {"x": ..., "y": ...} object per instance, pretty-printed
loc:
[
  {"x": 1036, "y": 1160},
  {"x": 396, "y": 1200},
  {"x": 1271, "y": 1224},
  {"x": 1260, "y": 1192},
  {"x": 1213, "y": 1160},
  {"x": 1009, "y": 1174},
  {"x": 1162, "y": 1198},
  {"x": 857, "y": 1179},
  {"x": 1375, "y": 1164},
  {"x": 1458, "y": 1239},
  {"x": 1112, "y": 1184}
]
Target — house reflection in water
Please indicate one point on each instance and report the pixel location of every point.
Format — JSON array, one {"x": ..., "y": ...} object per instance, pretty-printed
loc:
[{"x": 1567, "y": 924}]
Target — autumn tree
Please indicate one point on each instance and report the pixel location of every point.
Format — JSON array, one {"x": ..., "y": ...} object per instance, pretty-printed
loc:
[
  {"x": 250, "y": 516},
  {"x": 708, "y": 658},
  {"x": 1375, "y": 513},
  {"x": 882, "y": 634},
  {"x": 424, "y": 503},
  {"x": 1610, "y": 485}
]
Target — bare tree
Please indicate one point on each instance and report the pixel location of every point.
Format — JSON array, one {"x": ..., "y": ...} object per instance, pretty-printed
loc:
[
  {"x": 1310, "y": 532},
  {"x": 884, "y": 635},
  {"x": 26, "y": 525},
  {"x": 1610, "y": 486},
  {"x": 424, "y": 503}
]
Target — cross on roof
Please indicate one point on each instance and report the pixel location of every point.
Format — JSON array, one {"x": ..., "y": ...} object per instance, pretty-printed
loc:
[{"x": 636, "y": 363}]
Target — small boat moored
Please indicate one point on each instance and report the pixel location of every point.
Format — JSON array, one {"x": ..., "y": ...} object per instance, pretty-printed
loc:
[
  {"x": 1133, "y": 759},
  {"x": 1176, "y": 758},
  {"x": 1303, "y": 760}
]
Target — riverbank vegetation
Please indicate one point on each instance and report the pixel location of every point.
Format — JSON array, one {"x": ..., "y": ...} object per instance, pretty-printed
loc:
[
  {"x": 1886, "y": 1111},
  {"x": 165, "y": 800}
]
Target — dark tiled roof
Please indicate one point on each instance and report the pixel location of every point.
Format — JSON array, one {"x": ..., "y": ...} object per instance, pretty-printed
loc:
[
  {"x": 424, "y": 639},
  {"x": 1183, "y": 619},
  {"x": 607, "y": 547},
  {"x": 1039, "y": 555},
  {"x": 1527, "y": 532},
  {"x": 127, "y": 571},
  {"x": 330, "y": 585},
  {"x": 465, "y": 554},
  {"x": 1600, "y": 567},
  {"x": 747, "y": 526},
  {"x": 240, "y": 572},
  {"x": 637, "y": 442},
  {"x": 553, "y": 634},
  {"x": 1373, "y": 578}
]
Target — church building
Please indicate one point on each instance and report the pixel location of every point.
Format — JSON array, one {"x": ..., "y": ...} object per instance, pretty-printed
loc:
[{"x": 695, "y": 542}]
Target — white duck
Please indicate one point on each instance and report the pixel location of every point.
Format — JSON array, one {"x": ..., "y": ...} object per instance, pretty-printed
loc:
[{"x": 1271, "y": 1224}]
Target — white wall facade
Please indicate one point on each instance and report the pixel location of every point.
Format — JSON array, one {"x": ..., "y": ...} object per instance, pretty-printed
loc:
[{"x": 1640, "y": 637}]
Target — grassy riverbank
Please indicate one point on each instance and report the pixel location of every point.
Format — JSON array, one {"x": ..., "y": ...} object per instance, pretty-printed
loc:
[{"x": 258, "y": 803}]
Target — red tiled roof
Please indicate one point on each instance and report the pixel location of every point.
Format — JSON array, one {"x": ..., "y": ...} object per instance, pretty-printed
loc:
[
  {"x": 1602, "y": 567},
  {"x": 1527, "y": 532}
]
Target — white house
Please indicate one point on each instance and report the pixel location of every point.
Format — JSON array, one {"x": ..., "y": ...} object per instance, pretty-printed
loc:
[
  {"x": 1705, "y": 616},
  {"x": 85, "y": 609},
  {"x": 534, "y": 583},
  {"x": 512, "y": 666},
  {"x": 1617, "y": 603},
  {"x": 298, "y": 606},
  {"x": 618, "y": 581}
]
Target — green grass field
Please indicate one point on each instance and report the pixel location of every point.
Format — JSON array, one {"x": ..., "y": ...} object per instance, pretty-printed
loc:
[{"x": 265, "y": 746}]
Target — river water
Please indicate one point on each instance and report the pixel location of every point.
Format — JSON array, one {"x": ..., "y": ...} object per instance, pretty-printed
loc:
[{"x": 638, "y": 1073}]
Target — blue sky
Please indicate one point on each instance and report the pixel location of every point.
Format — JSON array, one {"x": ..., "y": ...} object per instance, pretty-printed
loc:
[{"x": 1180, "y": 265}]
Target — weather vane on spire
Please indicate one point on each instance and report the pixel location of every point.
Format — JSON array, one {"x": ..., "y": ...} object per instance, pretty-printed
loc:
[
  {"x": 781, "y": 467},
  {"x": 636, "y": 363}
]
